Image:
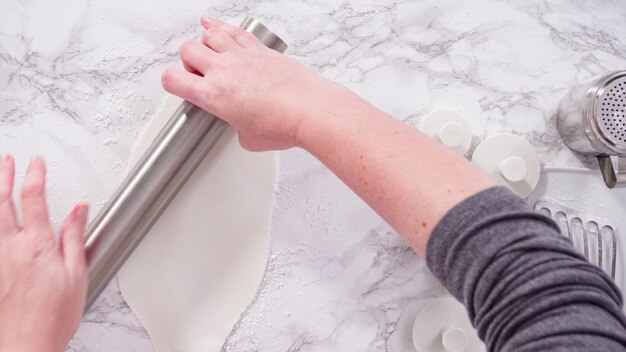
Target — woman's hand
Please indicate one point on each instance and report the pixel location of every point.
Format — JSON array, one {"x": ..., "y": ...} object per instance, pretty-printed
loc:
[
  {"x": 43, "y": 282},
  {"x": 263, "y": 94}
]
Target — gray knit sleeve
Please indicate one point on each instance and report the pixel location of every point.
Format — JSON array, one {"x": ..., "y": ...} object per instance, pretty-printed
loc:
[{"x": 524, "y": 285}]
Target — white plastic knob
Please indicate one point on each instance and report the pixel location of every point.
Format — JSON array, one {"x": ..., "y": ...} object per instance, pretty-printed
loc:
[
  {"x": 513, "y": 169},
  {"x": 451, "y": 135},
  {"x": 449, "y": 128},
  {"x": 454, "y": 340}
]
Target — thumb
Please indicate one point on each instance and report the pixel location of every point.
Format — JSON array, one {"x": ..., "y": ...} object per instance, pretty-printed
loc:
[{"x": 73, "y": 241}]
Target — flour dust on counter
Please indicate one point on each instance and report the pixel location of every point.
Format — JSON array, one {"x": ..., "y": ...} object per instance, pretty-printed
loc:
[{"x": 201, "y": 264}]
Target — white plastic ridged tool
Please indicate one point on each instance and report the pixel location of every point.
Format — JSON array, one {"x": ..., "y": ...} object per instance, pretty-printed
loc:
[
  {"x": 443, "y": 326},
  {"x": 449, "y": 128},
  {"x": 588, "y": 213},
  {"x": 511, "y": 161}
]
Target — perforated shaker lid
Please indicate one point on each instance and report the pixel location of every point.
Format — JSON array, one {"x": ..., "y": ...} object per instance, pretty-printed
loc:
[{"x": 609, "y": 107}]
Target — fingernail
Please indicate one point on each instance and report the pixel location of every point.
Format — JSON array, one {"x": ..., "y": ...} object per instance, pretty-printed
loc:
[
  {"x": 81, "y": 211},
  {"x": 35, "y": 159},
  {"x": 30, "y": 163},
  {"x": 205, "y": 20},
  {"x": 5, "y": 158}
]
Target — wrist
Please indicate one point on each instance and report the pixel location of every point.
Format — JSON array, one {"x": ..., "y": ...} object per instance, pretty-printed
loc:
[{"x": 332, "y": 111}]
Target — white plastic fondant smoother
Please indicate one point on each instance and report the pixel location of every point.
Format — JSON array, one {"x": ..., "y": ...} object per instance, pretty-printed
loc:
[
  {"x": 511, "y": 161},
  {"x": 584, "y": 192},
  {"x": 444, "y": 326},
  {"x": 449, "y": 128}
]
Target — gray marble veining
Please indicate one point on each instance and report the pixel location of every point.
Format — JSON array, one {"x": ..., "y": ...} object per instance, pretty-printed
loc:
[{"x": 79, "y": 80}]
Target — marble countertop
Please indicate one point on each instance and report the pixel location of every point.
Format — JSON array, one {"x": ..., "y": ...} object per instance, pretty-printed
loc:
[{"x": 80, "y": 78}]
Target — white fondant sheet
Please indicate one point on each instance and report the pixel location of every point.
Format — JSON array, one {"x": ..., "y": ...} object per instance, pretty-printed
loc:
[{"x": 202, "y": 262}]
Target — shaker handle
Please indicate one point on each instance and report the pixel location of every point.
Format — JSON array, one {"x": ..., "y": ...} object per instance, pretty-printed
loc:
[{"x": 611, "y": 178}]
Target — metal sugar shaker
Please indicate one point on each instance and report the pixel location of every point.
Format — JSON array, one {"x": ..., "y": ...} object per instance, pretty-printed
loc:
[{"x": 592, "y": 121}]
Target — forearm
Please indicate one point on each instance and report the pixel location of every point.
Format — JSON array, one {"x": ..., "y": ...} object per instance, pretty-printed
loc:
[
  {"x": 406, "y": 177},
  {"x": 30, "y": 343},
  {"x": 276, "y": 103}
]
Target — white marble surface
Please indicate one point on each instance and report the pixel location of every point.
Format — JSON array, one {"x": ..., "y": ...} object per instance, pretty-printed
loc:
[{"x": 79, "y": 79}]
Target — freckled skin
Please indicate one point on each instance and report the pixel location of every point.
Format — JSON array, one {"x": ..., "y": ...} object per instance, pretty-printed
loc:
[{"x": 408, "y": 178}]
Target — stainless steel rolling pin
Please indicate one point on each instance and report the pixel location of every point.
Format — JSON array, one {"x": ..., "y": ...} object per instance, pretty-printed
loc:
[{"x": 156, "y": 179}]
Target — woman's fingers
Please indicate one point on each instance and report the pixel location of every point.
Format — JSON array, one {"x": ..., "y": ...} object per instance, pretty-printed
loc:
[
  {"x": 196, "y": 56},
  {"x": 218, "y": 40},
  {"x": 73, "y": 240},
  {"x": 8, "y": 222},
  {"x": 192, "y": 70},
  {"x": 33, "y": 198},
  {"x": 183, "y": 84},
  {"x": 242, "y": 37}
]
